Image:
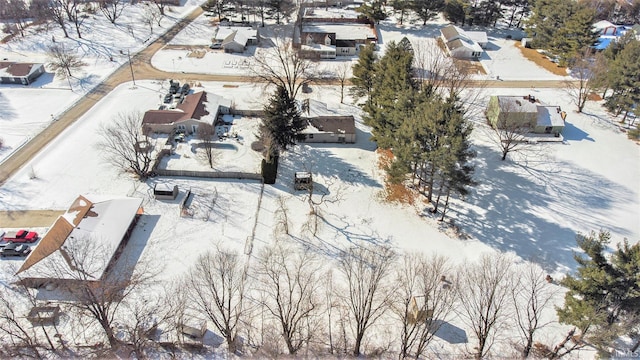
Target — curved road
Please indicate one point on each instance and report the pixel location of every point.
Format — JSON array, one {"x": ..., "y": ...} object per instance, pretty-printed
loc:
[{"x": 141, "y": 63}]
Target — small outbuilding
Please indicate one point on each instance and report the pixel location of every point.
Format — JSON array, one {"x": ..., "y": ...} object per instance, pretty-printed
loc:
[
  {"x": 303, "y": 180},
  {"x": 164, "y": 191}
]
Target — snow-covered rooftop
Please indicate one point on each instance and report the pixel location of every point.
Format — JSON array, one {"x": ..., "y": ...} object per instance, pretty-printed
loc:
[
  {"x": 330, "y": 13},
  {"x": 549, "y": 116},
  {"x": 342, "y": 31},
  {"x": 243, "y": 33},
  {"x": 104, "y": 223}
]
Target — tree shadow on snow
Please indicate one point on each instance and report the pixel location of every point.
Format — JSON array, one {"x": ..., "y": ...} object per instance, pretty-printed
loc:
[{"x": 535, "y": 208}]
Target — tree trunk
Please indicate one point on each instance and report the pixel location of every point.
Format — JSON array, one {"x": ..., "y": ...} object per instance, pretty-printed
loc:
[
  {"x": 356, "y": 348},
  {"x": 446, "y": 204},
  {"x": 504, "y": 154}
]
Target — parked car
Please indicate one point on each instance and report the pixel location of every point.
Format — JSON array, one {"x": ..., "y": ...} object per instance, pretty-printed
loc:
[
  {"x": 168, "y": 98},
  {"x": 215, "y": 46},
  {"x": 31, "y": 236},
  {"x": 174, "y": 86},
  {"x": 15, "y": 236},
  {"x": 13, "y": 249},
  {"x": 184, "y": 90}
]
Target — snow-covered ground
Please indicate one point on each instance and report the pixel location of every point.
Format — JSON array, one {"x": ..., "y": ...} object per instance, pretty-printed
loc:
[{"x": 531, "y": 205}]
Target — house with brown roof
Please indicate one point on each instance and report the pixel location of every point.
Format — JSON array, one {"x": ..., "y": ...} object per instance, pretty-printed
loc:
[
  {"x": 325, "y": 124},
  {"x": 193, "y": 110},
  {"x": 83, "y": 244},
  {"x": 20, "y": 73}
]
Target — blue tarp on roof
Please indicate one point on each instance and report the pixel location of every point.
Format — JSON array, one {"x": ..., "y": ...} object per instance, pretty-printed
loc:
[{"x": 603, "y": 43}]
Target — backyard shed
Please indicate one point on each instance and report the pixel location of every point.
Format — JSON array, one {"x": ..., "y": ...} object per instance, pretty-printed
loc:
[
  {"x": 164, "y": 191},
  {"x": 303, "y": 180}
]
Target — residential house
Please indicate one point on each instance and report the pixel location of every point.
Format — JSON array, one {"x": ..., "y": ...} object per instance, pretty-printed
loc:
[
  {"x": 326, "y": 125},
  {"x": 235, "y": 39},
  {"x": 83, "y": 244},
  {"x": 20, "y": 73},
  {"x": 526, "y": 112},
  {"x": 193, "y": 110},
  {"x": 325, "y": 34},
  {"x": 461, "y": 44}
]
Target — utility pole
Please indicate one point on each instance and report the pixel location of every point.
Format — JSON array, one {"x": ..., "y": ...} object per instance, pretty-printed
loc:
[{"x": 131, "y": 67}]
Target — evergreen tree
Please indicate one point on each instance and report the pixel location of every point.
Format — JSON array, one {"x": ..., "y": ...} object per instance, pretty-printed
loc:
[
  {"x": 391, "y": 96},
  {"x": 624, "y": 79},
  {"x": 280, "y": 8},
  {"x": 401, "y": 6},
  {"x": 427, "y": 9},
  {"x": 373, "y": 11},
  {"x": 364, "y": 72},
  {"x": 282, "y": 119},
  {"x": 603, "y": 300},
  {"x": 563, "y": 27},
  {"x": 455, "y": 169},
  {"x": 456, "y": 11}
]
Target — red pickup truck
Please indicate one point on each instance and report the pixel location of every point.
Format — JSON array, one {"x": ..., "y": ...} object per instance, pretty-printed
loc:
[{"x": 21, "y": 236}]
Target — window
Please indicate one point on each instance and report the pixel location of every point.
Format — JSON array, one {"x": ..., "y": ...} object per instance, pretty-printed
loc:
[{"x": 310, "y": 136}]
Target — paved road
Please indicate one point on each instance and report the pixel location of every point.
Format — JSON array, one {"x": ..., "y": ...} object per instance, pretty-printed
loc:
[{"x": 143, "y": 70}]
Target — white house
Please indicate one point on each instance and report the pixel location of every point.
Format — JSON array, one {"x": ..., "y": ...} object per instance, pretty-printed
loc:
[
  {"x": 235, "y": 39},
  {"x": 461, "y": 45}
]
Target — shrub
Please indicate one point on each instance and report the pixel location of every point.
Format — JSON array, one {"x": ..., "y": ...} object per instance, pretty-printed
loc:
[{"x": 270, "y": 170}]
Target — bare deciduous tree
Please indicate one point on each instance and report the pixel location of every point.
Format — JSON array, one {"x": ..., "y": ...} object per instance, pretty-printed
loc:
[
  {"x": 207, "y": 134},
  {"x": 341, "y": 74},
  {"x": 17, "y": 10},
  {"x": 125, "y": 145},
  {"x": 510, "y": 129},
  {"x": 112, "y": 9},
  {"x": 151, "y": 16},
  {"x": 215, "y": 287},
  {"x": 483, "y": 293},
  {"x": 282, "y": 217},
  {"x": 424, "y": 301},
  {"x": 161, "y": 5},
  {"x": 289, "y": 278},
  {"x": 19, "y": 339},
  {"x": 63, "y": 60},
  {"x": 532, "y": 295},
  {"x": 584, "y": 68},
  {"x": 283, "y": 65},
  {"x": 365, "y": 270},
  {"x": 141, "y": 317},
  {"x": 56, "y": 10},
  {"x": 96, "y": 288}
]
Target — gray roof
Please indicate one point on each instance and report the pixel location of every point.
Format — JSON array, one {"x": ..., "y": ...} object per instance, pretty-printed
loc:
[{"x": 513, "y": 104}]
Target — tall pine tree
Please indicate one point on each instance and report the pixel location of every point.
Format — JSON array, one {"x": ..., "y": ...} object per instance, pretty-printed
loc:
[
  {"x": 624, "y": 77},
  {"x": 282, "y": 120},
  {"x": 392, "y": 93},
  {"x": 603, "y": 300}
]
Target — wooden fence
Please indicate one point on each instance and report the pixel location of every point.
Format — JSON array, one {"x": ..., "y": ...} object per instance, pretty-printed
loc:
[{"x": 210, "y": 174}]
